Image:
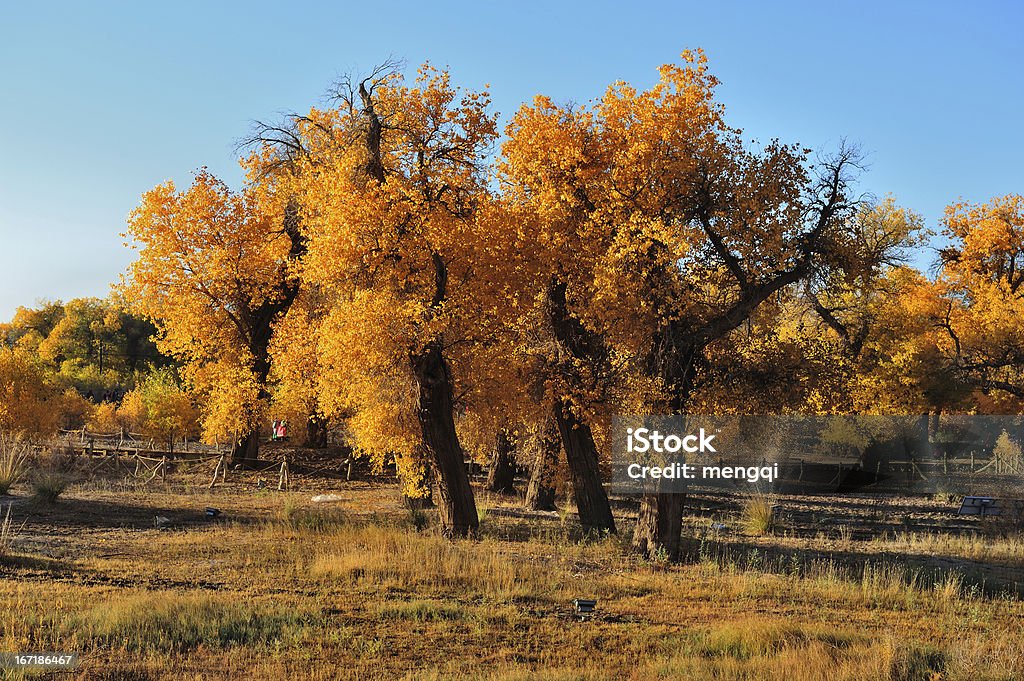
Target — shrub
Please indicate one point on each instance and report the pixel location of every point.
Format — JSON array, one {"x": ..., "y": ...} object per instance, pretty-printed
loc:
[
  {"x": 103, "y": 418},
  {"x": 48, "y": 485},
  {"x": 50, "y": 479}
]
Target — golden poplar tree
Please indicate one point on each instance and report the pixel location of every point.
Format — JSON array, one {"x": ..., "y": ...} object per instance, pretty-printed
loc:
[
  {"x": 215, "y": 273},
  {"x": 664, "y": 233},
  {"x": 396, "y": 208},
  {"x": 982, "y": 276}
]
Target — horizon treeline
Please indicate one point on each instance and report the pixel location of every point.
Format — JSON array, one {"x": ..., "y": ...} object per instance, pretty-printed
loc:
[
  {"x": 398, "y": 269},
  {"x": 89, "y": 363}
]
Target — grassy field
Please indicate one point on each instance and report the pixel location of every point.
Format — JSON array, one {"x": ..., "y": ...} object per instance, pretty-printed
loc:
[{"x": 279, "y": 587}]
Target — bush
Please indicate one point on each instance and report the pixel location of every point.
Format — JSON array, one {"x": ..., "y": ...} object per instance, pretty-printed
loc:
[
  {"x": 48, "y": 485},
  {"x": 13, "y": 462},
  {"x": 50, "y": 479}
]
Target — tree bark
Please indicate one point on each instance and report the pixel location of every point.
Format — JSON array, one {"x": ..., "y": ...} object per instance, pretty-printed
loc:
[
  {"x": 502, "y": 473},
  {"x": 247, "y": 450},
  {"x": 316, "y": 433},
  {"x": 540, "y": 494},
  {"x": 579, "y": 342},
  {"x": 456, "y": 506},
  {"x": 257, "y": 327},
  {"x": 659, "y": 526},
  {"x": 581, "y": 454}
]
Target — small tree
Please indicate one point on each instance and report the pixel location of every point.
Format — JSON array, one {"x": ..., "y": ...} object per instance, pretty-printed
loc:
[
  {"x": 1007, "y": 454},
  {"x": 30, "y": 399},
  {"x": 160, "y": 407}
]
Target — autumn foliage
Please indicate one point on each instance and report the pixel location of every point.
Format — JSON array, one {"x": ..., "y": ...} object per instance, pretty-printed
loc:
[{"x": 401, "y": 271}]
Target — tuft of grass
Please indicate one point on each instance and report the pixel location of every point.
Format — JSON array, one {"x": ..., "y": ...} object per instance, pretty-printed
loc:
[
  {"x": 309, "y": 520},
  {"x": 51, "y": 476},
  {"x": 951, "y": 589},
  {"x": 418, "y": 519},
  {"x": 288, "y": 511},
  {"x": 564, "y": 512},
  {"x": 758, "y": 516},
  {"x": 6, "y": 534},
  {"x": 915, "y": 661},
  {"x": 49, "y": 484},
  {"x": 13, "y": 462}
]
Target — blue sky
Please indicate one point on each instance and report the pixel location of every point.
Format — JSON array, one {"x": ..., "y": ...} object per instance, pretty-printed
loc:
[{"x": 101, "y": 101}]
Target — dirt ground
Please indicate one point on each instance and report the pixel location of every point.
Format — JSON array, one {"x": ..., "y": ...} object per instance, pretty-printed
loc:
[{"x": 370, "y": 584}]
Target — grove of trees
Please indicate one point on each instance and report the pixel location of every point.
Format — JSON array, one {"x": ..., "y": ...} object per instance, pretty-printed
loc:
[{"x": 399, "y": 269}]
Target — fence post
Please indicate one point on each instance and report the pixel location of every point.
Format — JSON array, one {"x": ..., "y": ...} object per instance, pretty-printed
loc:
[{"x": 216, "y": 469}]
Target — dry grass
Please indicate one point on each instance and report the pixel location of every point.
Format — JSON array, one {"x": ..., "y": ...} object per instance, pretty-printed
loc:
[
  {"x": 176, "y": 622},
  {"x": 977, "y": 546},
  {"x": 14, "y": 456},
  {"x": 6, "y": 534},
  {"x": 758, "y": 516},
  {"x": 48, "y": 484},
  {"x": 287, "y": 589},
  {"x": 394, "y": 558}
]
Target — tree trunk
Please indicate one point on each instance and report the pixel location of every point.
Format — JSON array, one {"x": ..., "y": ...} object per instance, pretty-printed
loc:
[
  {"x": 659, "y": 526},
  {"x": 581, "y": 454},
  {"x": 577, "y": 440},
  {"x": 456, "y": 506},
  {"x": 316, "y": 433},
  {"x": 540, "y": 494},
  {"x": 502, "y": 473},
  {"x": 247, "y": 450}
]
